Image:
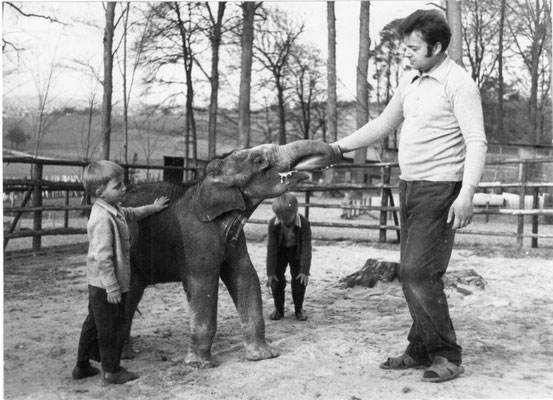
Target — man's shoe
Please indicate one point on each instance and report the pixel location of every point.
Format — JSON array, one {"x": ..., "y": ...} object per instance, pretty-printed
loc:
[
  {"x": 276, "y": 315},
  {"x": 300, "y": 316},
  {"x": 123, "y": 376},
  {"x": 84, "y": 372}
]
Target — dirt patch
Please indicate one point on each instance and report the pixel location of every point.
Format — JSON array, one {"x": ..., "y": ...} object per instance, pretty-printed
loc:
[{"x": 506, "y": 330}]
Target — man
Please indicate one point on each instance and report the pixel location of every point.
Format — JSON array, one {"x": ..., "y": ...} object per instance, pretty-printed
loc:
[{"x": 442, "y": 153}]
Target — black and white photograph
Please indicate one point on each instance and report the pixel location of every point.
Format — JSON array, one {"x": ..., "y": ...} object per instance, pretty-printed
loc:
[{"x": 314, "y": 200}]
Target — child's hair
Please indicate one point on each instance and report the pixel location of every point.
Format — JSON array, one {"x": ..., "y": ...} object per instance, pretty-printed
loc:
[
  {"x": 285, "y": 204},
  {"x": 99, "y": 173}
]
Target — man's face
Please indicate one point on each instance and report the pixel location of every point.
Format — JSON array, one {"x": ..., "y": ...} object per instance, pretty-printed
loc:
[
  {"x": 114, "y": 191},
  {"x": 417, "y": 52}
]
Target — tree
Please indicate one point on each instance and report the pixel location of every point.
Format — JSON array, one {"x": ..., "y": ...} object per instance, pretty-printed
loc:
[
  {"x": 455, "y": 48},
  {"x": 362, "y": 103},
  {"x": 43, "y": 118},
  {"x": 215, "y": 39},
  {"x": 9, "y": 44},
  {"x": 549, "y": 44},
  {"x": 530, "y": 27},
  {"x": 331, "y": 109},
  {"x": 273, "y": 45},
  {"x": 150, "y": 135},
  {"x": 186, "y": 32},
  {"x": 500, "y": 126},
  {"x": 171, "y": 42},
  {"x": 244, "y": 123},
  {"x": 481, "y": 25},
  {"x": 16, "y": 136},
  {"x": 88, "y": 144},
  {"x": 108, "y": 78},
  {"x": 388, "y": 65},
  {"x": 306, "y": 76}
]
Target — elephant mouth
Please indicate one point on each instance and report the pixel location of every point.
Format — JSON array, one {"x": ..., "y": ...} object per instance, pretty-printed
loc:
[{"x": 292, "y": 177}]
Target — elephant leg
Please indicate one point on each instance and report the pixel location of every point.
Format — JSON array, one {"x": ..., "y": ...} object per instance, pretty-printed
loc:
[
  {"x": 133, "y": 298},
  {"x": 242, "y": 282},
  {"x": 202, "y": 294}
]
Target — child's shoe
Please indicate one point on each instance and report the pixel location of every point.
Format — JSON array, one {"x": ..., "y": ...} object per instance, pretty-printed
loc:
[
  {"x": 84, "y": 371},
  {"x": 300, "y": 316},
  {"x": 123, "y": 376},
  {"x": 276, "y": 315}
]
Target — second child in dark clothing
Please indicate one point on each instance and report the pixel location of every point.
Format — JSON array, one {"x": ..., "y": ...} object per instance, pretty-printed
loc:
[{"x": 289, "y": 243}]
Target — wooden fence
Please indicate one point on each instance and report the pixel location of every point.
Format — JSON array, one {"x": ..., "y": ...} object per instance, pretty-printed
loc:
[{"x": 34, "y": 188}]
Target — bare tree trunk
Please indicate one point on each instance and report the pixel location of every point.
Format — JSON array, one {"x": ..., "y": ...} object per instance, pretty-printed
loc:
[
  {"x": 500, "y": 126},
  {"x": 125, "y": 96},
  {"x": 281, "y": 113},
  {"x": 108, "y": 79},
  {"x": 455, "y": 49},
  {"x": 534, "y": 74},
  {"x": 331, "y": 105},
  {"x": 213, "y": 103},
  {"x": 362, "y": 108},
  {"x": 549, "y": 46},
  {"x": 244, "y": 124},
  {"x": 190, "y": 123}
]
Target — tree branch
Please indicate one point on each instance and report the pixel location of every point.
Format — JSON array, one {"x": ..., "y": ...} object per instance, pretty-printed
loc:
[{"x": 46, "y": 17}]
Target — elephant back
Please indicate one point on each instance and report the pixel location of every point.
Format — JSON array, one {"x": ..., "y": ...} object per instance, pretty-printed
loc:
[{"x": 142, "y": 194}]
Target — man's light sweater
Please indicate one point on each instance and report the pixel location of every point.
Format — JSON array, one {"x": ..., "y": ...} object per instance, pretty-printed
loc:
[{"x": 442, "y": 137}]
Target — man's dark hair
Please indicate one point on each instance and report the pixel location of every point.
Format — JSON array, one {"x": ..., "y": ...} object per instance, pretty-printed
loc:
[{"x": 432, "y": 26}]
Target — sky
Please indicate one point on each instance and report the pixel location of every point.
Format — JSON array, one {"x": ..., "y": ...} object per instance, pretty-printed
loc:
[{"x": 45, "y": 41}]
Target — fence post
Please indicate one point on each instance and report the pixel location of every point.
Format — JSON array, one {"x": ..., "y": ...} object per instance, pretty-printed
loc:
[
  {"x": 66, "y": 215},
  {"x": 36, "y": 174},
  {"x": 522, "y": 167},
  {"x": 307, "y": 199},
  {"x": 535, "y": 218},
  {"x": 385, "y": 179},
  {"x": 126, "y": 174}
]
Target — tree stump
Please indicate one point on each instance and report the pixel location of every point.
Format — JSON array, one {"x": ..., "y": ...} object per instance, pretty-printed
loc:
[
  {"x": 459, "y": 280},
  {"x": 372, "y": 272},
  {"x": 386, "y": 271}
]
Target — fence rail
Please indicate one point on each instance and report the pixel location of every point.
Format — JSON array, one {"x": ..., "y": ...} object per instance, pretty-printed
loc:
[{"x": 34, "y": 188}]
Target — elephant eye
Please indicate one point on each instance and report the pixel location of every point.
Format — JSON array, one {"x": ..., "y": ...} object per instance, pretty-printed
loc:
[{"x": 259, "y": 160}]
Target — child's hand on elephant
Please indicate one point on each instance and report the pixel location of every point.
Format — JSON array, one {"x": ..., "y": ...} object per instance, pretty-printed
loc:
[
  {"x": 304, "y": 278},
  {"x": 161, "y": 203},
  {"x": 114, "y": 297}
]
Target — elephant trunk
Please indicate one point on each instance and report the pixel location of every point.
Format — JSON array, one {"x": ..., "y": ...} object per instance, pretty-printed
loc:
[{"x": 289, "y": 155}]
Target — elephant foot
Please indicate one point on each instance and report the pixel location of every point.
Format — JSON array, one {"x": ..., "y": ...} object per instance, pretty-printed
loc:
[
  {"x": 128, "y": 352},
  {"x": 196, "y": 361},
  {"x": 260, "y": 351}
]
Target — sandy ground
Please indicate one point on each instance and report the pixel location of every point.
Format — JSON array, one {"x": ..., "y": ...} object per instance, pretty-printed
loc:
[{"x": 506, "y": 331}]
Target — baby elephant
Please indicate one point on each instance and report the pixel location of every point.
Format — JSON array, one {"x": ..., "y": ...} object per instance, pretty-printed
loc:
[{"x": 199, "y": 238}]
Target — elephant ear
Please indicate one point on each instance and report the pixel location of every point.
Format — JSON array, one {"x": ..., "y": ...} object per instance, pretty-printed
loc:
[{"x": 215, "y": 197}]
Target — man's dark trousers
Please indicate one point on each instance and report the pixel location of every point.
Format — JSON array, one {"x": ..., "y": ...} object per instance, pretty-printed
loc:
[
  {"x": 288, "y": 255},
  {"x": 102, "y": 332},
  {"x": 426, "y": 245}
]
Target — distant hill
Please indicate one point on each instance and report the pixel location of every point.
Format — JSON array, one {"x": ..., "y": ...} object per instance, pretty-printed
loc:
[{"x": 156, "y": 137}]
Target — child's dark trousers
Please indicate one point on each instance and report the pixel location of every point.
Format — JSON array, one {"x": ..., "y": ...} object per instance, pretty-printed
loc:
[
  {"x": 102, "y": 332},
  {"x": 288, "y": 255}
]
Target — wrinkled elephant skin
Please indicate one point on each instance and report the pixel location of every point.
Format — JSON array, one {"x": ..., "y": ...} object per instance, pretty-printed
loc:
[{"x": 199, "y": 239}]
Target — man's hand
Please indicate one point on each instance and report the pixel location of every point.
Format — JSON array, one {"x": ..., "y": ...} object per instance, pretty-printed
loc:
[
  {"x": 461, "y": 210},
  {"x": 332, "y": 156},
  {"x": 161, "y": 203},
  {"x": 304, "y": 279},
  {"x": 270, "y": 280},
  {"x": 114, "y": 297}
]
